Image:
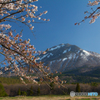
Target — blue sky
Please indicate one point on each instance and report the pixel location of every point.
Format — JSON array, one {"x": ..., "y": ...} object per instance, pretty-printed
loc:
[{"x": 61, "y": 29}]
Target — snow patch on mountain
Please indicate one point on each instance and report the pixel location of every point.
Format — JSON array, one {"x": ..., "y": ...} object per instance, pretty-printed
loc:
[
  {"x": 78, "y": 51},
  {"x": 74, "y": 56},
  {"x": 95, "y": 54},
  {"x": 65, "y": 51},
  {"x": 62, "y": 44},
  {"x": 69, "y": 49},
  {"x": 43, "y": 57},
  {"x": 70, "y": 56},
  {"x": 56, "y": 47},
  {"x": 51, "y": 49},
  {"x": 49, "y": 55},
  {"x": 86, "y": 53},
  {"x": 59, "y": 60},
  {"x": 64, "y": 59},
  {"x": 66, "y": 64},
  {"x": 84, "y": 56}
]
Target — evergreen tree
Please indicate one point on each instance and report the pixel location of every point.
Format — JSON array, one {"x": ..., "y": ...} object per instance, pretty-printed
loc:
[
  {"x": 2, "y": 91},
  {"x": 31, "y": 91},
  {"x": 52, "y": 85},
  {"x": 78, "y": 88},
  {"x": 19, "y": 92},
  {"x": 69, "y": 90},
  {"x": 38, "y": 91}
]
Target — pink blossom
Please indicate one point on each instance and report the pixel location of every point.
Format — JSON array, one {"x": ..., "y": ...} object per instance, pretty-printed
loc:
[
  {"x": 29, "y": 21},
  {"x": 23, "y": 19},
  {"x": 45, "y": 12},
  {"x": 32, "y": 27},
  {"x": 39, "y": 18},
  {"x": 48, "y": 20}
]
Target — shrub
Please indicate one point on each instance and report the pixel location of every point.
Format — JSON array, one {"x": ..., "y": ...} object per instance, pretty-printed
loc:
[
  {"x": 2, "y": 91},
  {"x": 94, "y": 84},
  {"x": 78, "y": 88},
  {"x": 23, "y": 93}
]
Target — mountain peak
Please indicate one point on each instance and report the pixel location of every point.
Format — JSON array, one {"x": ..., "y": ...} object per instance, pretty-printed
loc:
[
  {"x": 64, "y": 46},
  {"x": 66, "y": 56}
]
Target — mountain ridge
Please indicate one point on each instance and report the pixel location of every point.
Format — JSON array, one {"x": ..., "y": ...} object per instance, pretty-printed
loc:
[{"x": 67, "y": 57}]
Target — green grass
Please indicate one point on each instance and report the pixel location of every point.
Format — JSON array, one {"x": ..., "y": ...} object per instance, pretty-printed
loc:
[
  {"x": 94, "y": 99},
  {"x": 14, "y": 98},
  {"x": 48, "y": 97}
]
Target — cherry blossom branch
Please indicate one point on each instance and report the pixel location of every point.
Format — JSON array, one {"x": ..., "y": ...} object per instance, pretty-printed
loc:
[
  {"x": 13, "y": 47},
  {"x": 2, "y": 53},
  {"x": 3, "y": 19},
  {"x": 8, "y": 2},
  {"x": 92, "y": 15},
  {"x": 23, "y": 56}
]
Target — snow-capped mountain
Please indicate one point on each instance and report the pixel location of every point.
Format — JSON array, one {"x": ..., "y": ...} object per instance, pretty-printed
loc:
[{"x": 65, "y": 57}]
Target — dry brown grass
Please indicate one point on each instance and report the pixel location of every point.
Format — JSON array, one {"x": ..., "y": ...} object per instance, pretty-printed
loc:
[{"x": 49, "y": 98}]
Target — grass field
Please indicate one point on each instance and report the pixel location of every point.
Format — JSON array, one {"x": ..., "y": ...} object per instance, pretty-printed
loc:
[{"x": 50, "y": 98}]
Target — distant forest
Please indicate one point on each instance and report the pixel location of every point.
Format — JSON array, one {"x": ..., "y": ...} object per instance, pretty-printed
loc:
[{"x": 14, "y": 87}]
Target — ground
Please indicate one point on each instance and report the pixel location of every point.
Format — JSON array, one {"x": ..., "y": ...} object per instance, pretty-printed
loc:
[{"x": 50, "y": 98}]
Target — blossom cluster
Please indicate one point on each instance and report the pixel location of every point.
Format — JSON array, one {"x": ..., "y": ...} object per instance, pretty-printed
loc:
[
  {"x": 92, "y": 15},
  {"x": 19, "y": 54},
  {"x": 11, "y": 9},
  {"x": 16, "y": 51},
  {"x": 96, "y": 2}
]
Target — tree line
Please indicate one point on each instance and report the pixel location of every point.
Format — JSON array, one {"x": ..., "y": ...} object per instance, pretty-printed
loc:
[{"x": 44, "y": 89}]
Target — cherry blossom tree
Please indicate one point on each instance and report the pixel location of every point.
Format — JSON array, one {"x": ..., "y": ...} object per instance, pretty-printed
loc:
[
  {"x": 19, "y": 54},
  {"x": 94, "y": 14}
]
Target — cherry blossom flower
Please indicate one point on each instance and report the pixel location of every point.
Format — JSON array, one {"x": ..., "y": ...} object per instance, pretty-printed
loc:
[
  {"x": 44, "y": 52},
  {"x": 39, "y": 18},
  {"x": 23, "y": 19},
  {"x": 32, "y": 27},
  {"x": 32, "y": 20},
  {"x": 48, "y": 20},
  {"x": 45, "y": 12},
  {"x": 92, "y": 21},
  {"x": 44, "y": 19},
  {"x": 29, "y": 21}
]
